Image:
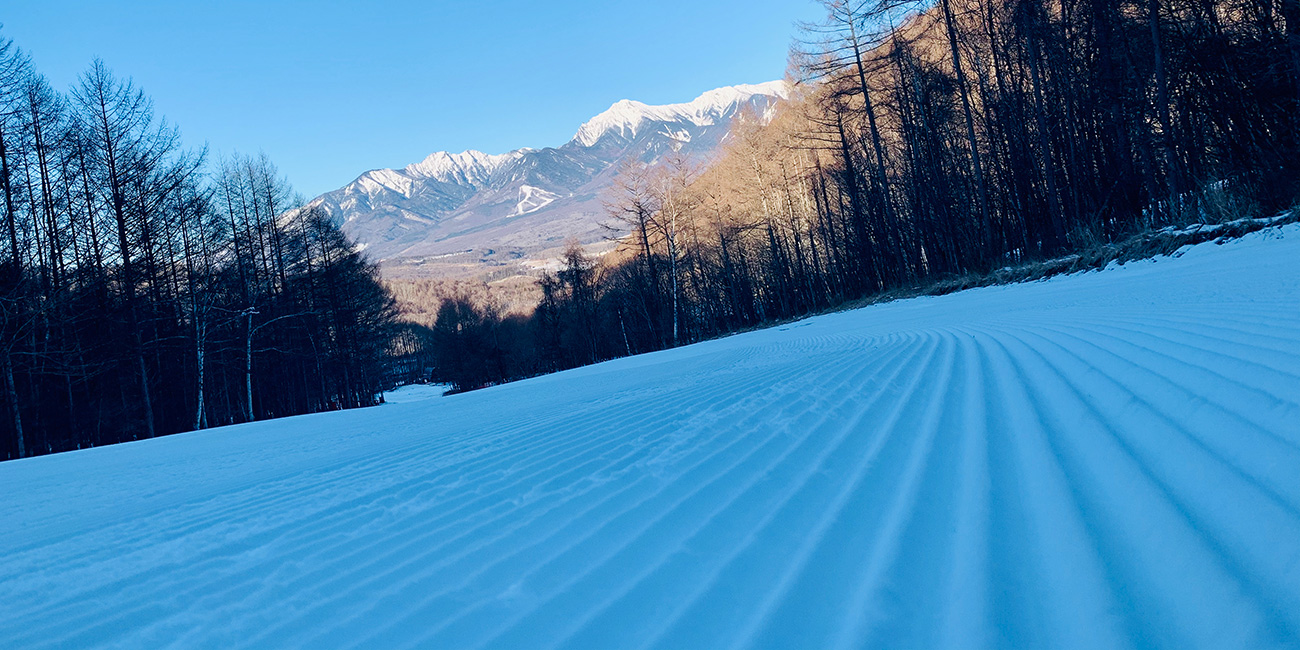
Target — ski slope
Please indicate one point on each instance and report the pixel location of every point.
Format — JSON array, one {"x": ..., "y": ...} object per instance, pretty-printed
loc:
[{"x": 1104, "y": 460}]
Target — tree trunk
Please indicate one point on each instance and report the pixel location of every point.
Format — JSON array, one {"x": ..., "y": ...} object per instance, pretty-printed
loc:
[
  {"x": 1162, "y": 110},
  {"x": 1044, "y": 135},
  {"x": 672, "y": 253},
  {"x": 1291, "y": 14},
  {"x": 977, "y": 167},
  {"x": 9, "y": 205},
  {"x": 878, "y": 148},
  {"x": 11, "y": 392},
  {"x": 248, "y": 366},
  {"x": 200, "y": 360}
]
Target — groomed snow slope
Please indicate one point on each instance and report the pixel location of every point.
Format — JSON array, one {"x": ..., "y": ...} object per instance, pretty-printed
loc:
[{"x": 1105, "y": 460}]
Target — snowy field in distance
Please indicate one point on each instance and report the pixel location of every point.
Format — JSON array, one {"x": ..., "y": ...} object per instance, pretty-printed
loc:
[
  {"x": 415, "y": 393},
  {"x": 1104, "y": 460}
]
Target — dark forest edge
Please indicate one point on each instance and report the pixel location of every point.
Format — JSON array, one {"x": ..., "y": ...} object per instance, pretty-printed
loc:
[
  {"x": 930, "y": 146},
  {"x": 148, "y": 290}
]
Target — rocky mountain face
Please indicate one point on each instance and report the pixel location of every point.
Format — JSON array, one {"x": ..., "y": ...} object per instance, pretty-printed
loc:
[{"x": 473, "y": 213}]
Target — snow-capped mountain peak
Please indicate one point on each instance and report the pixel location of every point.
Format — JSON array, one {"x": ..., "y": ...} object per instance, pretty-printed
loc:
[
  {"x": 626, "y": 117},
  {"x": 490, "y": 210},
  {"x": 465, "y": 168}
]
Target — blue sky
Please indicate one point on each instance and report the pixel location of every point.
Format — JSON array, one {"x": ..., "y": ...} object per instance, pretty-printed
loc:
[{"x": 330, "y": 89}]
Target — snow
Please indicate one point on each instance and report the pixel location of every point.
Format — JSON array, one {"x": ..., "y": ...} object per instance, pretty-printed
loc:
[
  {"x": 532, "y": 199},
  {"x": 376, "y": 181},
  {"x": 626, "y": 117},
  {"x": 468, "y": 169},
  {"x": 474, "y": 168},
  {"x": 415, "y": 393},
  {"x": 1102, "y": 460},
  {"x": 471, "y": 168}
]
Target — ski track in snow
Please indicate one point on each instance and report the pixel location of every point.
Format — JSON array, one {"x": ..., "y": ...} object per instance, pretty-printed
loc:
[{"x": 1103, "y": 460}]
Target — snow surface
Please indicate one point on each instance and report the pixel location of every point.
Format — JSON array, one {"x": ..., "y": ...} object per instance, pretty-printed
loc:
[
  {"x": 532, "y": 199},
  {"x": 1104, "y": 460},
  {"x": 626, "y": 117},
  {"x": 415, "y": 393},
  {"x": 472, "y": 168}
]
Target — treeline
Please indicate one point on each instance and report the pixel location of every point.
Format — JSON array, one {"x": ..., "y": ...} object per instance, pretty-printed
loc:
[
  {"x": 928, "y": 140},
  {"x": 145, "y": 290}
]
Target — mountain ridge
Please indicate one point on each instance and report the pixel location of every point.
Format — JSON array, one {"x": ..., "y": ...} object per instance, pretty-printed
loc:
[{"x": 472, "y": 212}]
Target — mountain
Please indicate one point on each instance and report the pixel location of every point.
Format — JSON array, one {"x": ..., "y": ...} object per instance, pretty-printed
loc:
[{"x": 473, "y": 212}]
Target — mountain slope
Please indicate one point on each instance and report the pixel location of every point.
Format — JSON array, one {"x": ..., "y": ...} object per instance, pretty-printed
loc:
[
  {"x": 485, "y": 209},
  {"x": 1101, "y": 460}
]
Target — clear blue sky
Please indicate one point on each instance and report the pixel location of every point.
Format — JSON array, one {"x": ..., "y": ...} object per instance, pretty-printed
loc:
[{"x": 330, "y": 89}]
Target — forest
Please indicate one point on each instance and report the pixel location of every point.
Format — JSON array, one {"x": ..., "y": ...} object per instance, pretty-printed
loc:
[
  {"x": 926, "y": 140},
  {"x": 146, "y": 289}
]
